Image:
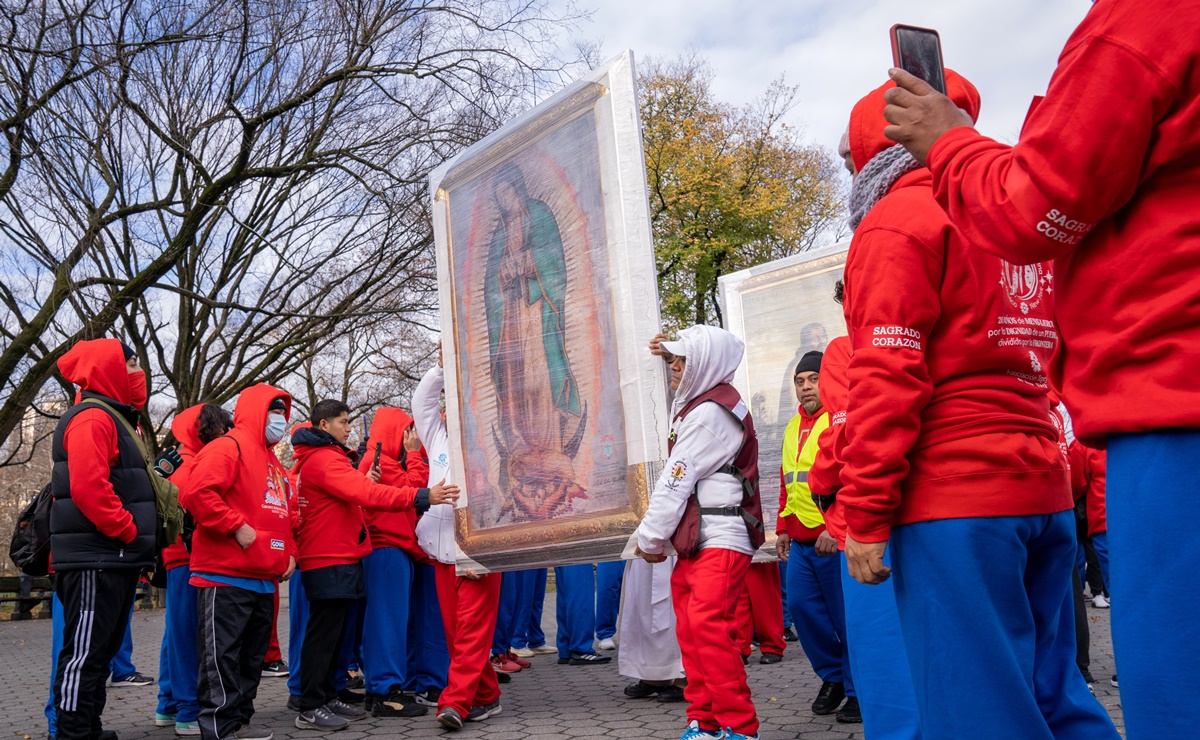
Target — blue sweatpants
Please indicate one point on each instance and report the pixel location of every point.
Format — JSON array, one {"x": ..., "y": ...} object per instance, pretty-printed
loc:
[
  {"x": 388, "y": 572},
  {"x": 988, "y": 618},
  {"x": 1100, "y": 545},
  {"x": 608, "y": 597},
  {"x": 511, "y": 584},
  {"x": 1152, "y": 512},
  {"x": 428, "y": 657},
  {"x": 787, "y": 613},
  {"x": 882, "y": 679},
  {"x": 178, "y": 664},
  {"x": 122, "y": 663},
  {"x": 530, "y": 603},
  {"x": 575, "y": 602},
  {"x": 815, "y": 601},
  {"x": 58, "y": 623},
  {"x": 297, "y": 623}
]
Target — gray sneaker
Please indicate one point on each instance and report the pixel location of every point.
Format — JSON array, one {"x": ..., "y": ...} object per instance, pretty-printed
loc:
[
  {"x": 483, "y": 711},
  {"x": 254, "y": 733},
  {"x": 450, "y": 719},
  {"x": 348, "y": 712},
  {"x": 320, "y": 719}
]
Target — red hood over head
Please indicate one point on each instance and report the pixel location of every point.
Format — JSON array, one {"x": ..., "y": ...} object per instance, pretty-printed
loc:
[
  {"x": 867, "y": 122},
  {"x": 250, "y": 414},
  {"x": 183, "y": 426},
  {"x": 389, "y": 427},
  {"x": 98, "y": 365}
]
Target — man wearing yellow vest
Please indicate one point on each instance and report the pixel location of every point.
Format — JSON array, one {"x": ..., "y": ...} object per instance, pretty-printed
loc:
[{"x": 814, "y": 584}]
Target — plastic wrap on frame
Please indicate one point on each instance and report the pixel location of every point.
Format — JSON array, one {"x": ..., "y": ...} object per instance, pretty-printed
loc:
[
  {"x": 781, "y": 309},
  {"x": 546, "y": 270}
]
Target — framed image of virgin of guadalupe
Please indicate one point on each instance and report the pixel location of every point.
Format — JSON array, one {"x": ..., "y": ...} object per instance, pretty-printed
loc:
[
  {"x": 781, "y": 310},
  {"x": 556, "y": 411}
]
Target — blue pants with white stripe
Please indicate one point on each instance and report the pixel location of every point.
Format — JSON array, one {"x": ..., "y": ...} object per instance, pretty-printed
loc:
[
  {"x": 1153, "y": 546},
  {"x": 575, "y": 600},
  {"x": 988, "y": 618}
]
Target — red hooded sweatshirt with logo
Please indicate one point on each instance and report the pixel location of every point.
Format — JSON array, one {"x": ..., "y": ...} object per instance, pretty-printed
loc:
[
  {"x": 183, "y": 426},
  {"x": 90, "y": 438},
  {"x": 1089, "y": 477},
  {"x": 825, "y": 478},
  {"x": 947, "y": 415},
  {"x": 236, "y": 479},
  {"x": 1105, "y": 181},
  {"x": 333, "y": 528},
  {"x": 395, "y": 528}
]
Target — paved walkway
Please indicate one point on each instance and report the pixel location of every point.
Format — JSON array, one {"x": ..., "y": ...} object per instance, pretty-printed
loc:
[{"x": 547, "y": 701}]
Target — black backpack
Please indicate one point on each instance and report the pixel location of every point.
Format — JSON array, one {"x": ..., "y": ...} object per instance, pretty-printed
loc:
[{"x": 30, "y": 546}]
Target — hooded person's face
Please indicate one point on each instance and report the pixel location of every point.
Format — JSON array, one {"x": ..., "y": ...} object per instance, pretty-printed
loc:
[
  {"x": 139, "y": 389},
  {"x": 678, "y": 365}
]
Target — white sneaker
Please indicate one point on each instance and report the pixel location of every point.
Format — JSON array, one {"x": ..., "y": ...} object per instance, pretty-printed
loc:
[
  {"x": 523, "y": 652},
  {"x": 1099, "y": 601},
  {"x": 608, "y": 644}
]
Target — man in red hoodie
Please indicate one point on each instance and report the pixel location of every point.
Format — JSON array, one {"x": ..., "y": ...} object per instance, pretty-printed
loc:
[
  {"x": 102, "y": 524},
  {"x": 333, "y": 540},
  {"x": 389, "y": 569},
  {"x": 951, "y": 457},
  {"x": 1103, "y": 181},
  {"x": 238, "y": 494}
]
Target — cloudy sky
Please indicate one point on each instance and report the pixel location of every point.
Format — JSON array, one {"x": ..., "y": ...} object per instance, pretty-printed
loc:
[{"x": 837, "y": 50}]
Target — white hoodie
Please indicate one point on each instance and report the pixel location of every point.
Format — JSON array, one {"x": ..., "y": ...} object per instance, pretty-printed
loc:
[
  {"x": 705, "y": 440},
  {"x": 435, "y": 528}
]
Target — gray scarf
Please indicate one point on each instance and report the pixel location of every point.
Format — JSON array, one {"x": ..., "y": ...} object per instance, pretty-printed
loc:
[{"x": 877, "y": 178}]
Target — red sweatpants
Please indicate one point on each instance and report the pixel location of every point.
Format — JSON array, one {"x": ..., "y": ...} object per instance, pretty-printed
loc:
[
  {"x": 761, "y": 610},
  {"x": 705, "y": 591},
  {"x": 273, "y": 653},
  {"x": 469, "y": 616}
]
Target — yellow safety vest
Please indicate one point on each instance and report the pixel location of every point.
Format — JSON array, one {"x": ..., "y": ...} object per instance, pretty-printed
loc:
[{"x": 797, "y": 462}]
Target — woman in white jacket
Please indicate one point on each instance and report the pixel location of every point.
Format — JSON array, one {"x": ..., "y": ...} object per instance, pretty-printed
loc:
[{"x": 468, "y": 602}]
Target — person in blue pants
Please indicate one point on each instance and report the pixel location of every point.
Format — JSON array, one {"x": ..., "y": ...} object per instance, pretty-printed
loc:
[
  {"x": 787, "y": 613},
  {"x": 882, "y": 680},
  {"x": 178, "y": 662},
  {"x": 575, "y": 601},
  {"x": 608, "y": 601},
  {"x": 57, "y": 624},
  {"x": 388, "y": 573},
  {"x": 428, "y": 656},
  {"x": 515, "y": 585},
  {"x": 528, "y": 638},
  {"x": 814, "y": 585},
  {"x": 124, "y": 673}
]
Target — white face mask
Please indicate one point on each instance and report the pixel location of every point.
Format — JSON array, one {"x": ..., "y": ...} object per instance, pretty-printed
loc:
[{"x": 276, "y": 428}]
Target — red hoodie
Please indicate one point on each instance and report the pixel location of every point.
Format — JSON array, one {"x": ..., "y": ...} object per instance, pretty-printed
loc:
[
  {"x": 395, "y": 528},
  {"x": 1105, "y": 180},
  {"x": 333, "y": 528},
  {"x": 183, "y": 426},
  {"x": 236, "y": 479},
  {"x": 947, "y": 414},
  {"x": 826, "y": 474},
  {"x": 90, "y": 439},
  {"x": 1089, "y": 468}
]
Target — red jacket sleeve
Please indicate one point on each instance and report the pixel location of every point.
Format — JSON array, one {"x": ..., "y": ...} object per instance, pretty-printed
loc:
[
  {"x": 418, "y": 470},
  {"x": 1037, "y": 200},
  {"x": 341, "y": 479},
  {"x": 825, "y": 476},
  {"x": 215, "y": 473},
  {"x": 892, "y": 303},
  {"x": 1077, "y": 457},
  {"x": 90, "y": 441},
  {"x": 780, "y": 526}
]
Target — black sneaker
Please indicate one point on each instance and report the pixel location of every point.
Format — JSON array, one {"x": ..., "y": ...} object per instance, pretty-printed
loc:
[
  {"x": 275, "y": 669},
  {"x": 398, "y": 704},
  {"x": 1087, "y": 676},
  {"x": 429, "y": 698},
  {"x": 829, "y": 698},
  {"x": 770, "y": 658},
  {"x": 745, "y": 660},
  {"x": 351, "y": 697},
  {"x": 503, "y": 678},
  {"x": 320, "y": 719},
  {"x": 482, "y": 712},
  {"x": 134, "y": 679},
  {"x": 293, "y": 703},
  {"x": 1113, "y": 681},
  {"x": 450, "y": 719},
  {"x": 642, "y": 690},
  {"x": 585, "y": 659},
  {"x": 850, "y": 714},
  {"x": 346, "y": 711},
  {"x": 789, "y": 635},
  {"x": 670, "y": 694},
  {"x": 355, "y": 681}
]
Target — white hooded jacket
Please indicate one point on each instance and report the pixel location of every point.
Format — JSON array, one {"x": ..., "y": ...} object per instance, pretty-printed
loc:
[
  {"x": 708, "y": 438},
  {"x": 435, "y": 528}
]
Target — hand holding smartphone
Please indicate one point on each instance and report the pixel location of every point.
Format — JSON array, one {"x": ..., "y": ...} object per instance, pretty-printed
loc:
[
  {"x": 918, "y": 51},
  {"x": 378, "y": 455}
]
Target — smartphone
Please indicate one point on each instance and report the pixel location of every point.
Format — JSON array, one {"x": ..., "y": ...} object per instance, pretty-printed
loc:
[
  {"x": 918, "y": 51},
  {"x": 378, "y": 454}
]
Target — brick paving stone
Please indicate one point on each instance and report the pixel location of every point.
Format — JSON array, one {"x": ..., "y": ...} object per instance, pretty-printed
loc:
[{"x": 547, "y": 702}]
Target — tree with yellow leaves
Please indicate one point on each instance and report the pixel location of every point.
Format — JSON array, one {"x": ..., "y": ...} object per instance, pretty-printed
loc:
[{"x": 730, "y": 187}]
